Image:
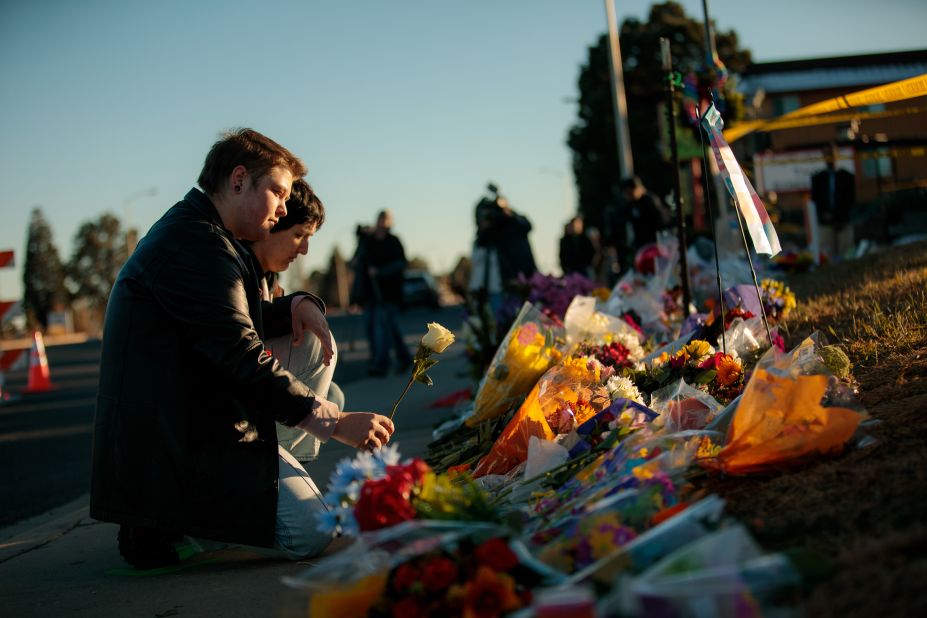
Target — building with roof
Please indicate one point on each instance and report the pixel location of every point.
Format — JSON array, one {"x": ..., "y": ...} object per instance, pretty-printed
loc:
[{"x": 884, "y": 145}]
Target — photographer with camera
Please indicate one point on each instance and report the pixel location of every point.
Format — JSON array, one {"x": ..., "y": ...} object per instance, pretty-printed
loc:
[{"x": 501, "y": 250}]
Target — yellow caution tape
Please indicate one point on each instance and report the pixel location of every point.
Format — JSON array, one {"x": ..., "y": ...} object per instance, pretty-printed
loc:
[{"x": 887, "y": 93}]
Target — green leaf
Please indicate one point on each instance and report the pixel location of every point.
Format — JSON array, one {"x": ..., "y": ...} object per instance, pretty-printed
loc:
[
  {"x": 706, "y": 377},
  {"x": 424, "y": 378},
  {"x": 548, "y": 338}
]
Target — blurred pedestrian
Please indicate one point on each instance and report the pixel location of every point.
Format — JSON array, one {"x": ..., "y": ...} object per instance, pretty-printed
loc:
[
  {"x": 501, "y": 249},
  {"x": 834, "y": 193},
  {"x": 379, "y": 267},
  {"x": 646, "y": 211},
  {"x": 577, "y": 250},
  {"x": 184, "y": 437}
]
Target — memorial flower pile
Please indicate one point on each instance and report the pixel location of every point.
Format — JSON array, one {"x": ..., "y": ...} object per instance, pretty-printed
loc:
[{"x": 583, "y": 443}]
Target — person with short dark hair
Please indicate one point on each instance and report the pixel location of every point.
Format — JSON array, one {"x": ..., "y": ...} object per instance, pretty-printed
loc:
[
  {"x": 379, "y": 267},
  {"x": 577, "y": 251},
  {"x": 646, "y": 211},
  {"x": 289, "y": 239},
  {"x": 184, "y": 437}
]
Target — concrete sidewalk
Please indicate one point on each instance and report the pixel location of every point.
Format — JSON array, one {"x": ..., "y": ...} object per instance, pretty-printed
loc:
[{"x": 65, "y": 563}]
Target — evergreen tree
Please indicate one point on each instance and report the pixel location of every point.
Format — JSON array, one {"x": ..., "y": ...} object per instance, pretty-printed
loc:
[
  {"x": 43, "y": 273},
  {"x": 592, "y": 139},
  {"x": 99, "y": 252}
]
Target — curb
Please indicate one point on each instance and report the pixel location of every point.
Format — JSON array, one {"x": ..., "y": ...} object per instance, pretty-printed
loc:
[{"x": 39, "y": 530}]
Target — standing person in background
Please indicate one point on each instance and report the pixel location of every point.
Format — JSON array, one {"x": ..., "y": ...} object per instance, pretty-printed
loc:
[
  {"x": 380, "y": 263},
  {"x": 515, "y": 255},
  {"x": 501, "y": 250},
  {"x": 289, "y": 239},
  {"x": 834, "y": 193},
  {"x": 646, "y": 211},
  {"x": 577, "y": 251},
  {"x": 616, "y": 246},
  {"x": 184, "y": 438}
]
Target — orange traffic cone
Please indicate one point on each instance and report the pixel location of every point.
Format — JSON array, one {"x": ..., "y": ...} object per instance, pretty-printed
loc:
[{"x": 39, "y": 376}]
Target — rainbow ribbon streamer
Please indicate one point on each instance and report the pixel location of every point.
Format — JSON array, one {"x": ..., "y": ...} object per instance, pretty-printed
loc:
[{"x": 762, "y": 232}]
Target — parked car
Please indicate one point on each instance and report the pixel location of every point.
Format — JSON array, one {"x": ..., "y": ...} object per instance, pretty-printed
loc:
[{"x": 419, "y": 289}]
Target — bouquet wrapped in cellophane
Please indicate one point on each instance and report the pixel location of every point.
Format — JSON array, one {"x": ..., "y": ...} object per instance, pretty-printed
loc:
[
  {"x": 530, "y": 348},
  {"x": 565, "y": 397}
]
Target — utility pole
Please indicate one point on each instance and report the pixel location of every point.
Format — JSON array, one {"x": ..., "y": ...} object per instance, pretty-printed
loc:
[{"x": 625, "y": 161}]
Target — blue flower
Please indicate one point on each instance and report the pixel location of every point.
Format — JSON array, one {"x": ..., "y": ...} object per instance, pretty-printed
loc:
[
  {"x": 387, "y": 455},
  {"x": 338, "y": 520}
]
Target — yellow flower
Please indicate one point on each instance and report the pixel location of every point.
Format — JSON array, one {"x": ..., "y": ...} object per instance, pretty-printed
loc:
[
  {"x": 707, "y": 449},
  {"x": 438, "y": 338},
  {"x": 349, "y": 600},
  {"x": 730, "y": 370},
  {"x": 698, "y": 350}
]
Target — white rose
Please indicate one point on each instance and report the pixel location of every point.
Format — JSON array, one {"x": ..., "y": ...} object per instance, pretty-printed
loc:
[{"x": 438, "y": 338}]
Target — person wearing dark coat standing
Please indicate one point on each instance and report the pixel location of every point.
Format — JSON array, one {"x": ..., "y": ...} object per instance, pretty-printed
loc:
[
  {"x": 184, "y": 436},
  {"x": 501, "y": 250},
  {"x": 834, "y": 193},
  {"x": 646, "y": 211},
  {"x": 380, "y": 264},
  {"x": 577, "y": 251}
]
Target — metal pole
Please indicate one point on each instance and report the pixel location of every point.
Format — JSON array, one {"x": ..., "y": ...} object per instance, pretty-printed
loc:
[
  {"x": 625, "y": 160},
  {"x": 714, "y": 229},
  {"x": 710, "y": 51},
  {"x": 677, "y": 193}
]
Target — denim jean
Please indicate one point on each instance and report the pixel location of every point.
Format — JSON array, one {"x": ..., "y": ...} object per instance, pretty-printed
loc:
[
  {"x": 381, "y": 321},
  {"x": 298, "y": 501},
  {"x": 305, "y": 362}
]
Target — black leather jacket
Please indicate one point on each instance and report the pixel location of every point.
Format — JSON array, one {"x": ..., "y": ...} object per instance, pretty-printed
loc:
[{"x": 183, "y": 366}]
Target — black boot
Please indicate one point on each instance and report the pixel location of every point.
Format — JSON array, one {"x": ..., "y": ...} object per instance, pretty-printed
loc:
[{"x": 146, "y": 548}]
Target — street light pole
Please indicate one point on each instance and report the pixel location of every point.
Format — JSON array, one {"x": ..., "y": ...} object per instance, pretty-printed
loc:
[{"x": 625, "y": 161}]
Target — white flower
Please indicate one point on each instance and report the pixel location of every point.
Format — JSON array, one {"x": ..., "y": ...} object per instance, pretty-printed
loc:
[
  {"x": 632, "y": 344},
  {"x": 388, "y": 455},
  {"x": 623, "y": 388},
  {"x": 438, "y": 338}
]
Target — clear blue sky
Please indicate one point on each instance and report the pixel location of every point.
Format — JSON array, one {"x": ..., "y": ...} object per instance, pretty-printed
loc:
[{"x": 408, "y": 105}]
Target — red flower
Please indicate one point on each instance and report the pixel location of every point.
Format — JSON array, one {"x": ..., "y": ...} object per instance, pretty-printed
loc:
[
  {"x": 712, "y": 361},
  {"x": 404, "y": 577},
  {"x": 412, "y": 472},
  {"x": 384, "y": 502},
  {"x": 490, "y": 594},
  {"x": 438, "y": 574},
  {"x": 496, "y": 554},
  {"x": 629, "y": 319},
  {"x": 734, "y": 313}
]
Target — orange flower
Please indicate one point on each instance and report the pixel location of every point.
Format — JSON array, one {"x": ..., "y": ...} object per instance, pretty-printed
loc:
[
  {"x": 730, "y": 370},
  {"x": 490, "y": 594}
]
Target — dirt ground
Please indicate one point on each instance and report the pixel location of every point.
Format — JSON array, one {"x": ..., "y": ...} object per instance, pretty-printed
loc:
[{"x": 863, "y": 513}]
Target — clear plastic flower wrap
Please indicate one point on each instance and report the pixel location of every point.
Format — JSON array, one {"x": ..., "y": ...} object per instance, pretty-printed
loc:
[
  {"x": 685, "y": 526},
  {"x": 354, "y": 580},
  {"x": 532, "y": 345},
  {"x": 722, "y": 574},
  {"x": 683, "y": 407},
  {"x": 584, "y": 323},
  {"x": 564, "y": 398}
]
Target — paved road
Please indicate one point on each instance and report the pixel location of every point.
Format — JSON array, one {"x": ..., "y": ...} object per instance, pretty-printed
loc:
[{"x": 45, "y": 438}]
